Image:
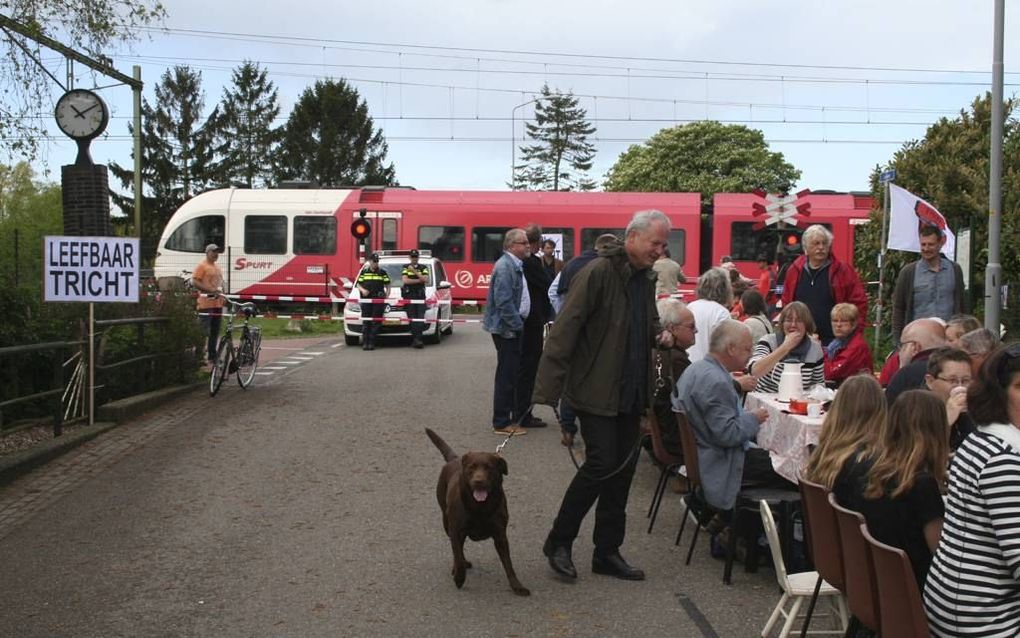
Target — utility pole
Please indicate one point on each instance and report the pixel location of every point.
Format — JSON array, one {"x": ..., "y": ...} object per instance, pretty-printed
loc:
[{"x": 993, "y": 271}]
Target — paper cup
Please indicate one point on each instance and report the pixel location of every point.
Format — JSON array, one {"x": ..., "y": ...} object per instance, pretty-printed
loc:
[{"x": 814, "y": 409}]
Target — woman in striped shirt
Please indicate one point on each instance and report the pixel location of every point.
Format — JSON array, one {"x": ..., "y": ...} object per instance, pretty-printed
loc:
[
  {"x": 973, "y": 587},
  {"x": 794, "y": 342}
]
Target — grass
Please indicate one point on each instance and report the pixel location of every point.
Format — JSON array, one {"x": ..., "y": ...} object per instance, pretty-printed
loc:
[{"x": 277, "y": 328}]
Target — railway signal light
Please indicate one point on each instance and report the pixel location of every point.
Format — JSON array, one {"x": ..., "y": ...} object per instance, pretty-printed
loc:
[
  {"x": 790, "y": 241},
  {"x": 361, "y": 228}
]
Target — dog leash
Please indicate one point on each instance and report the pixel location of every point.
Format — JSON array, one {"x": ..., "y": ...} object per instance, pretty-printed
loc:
[
  {"x": 499, "y": 448},
  {"x": 626, "y": 461}
]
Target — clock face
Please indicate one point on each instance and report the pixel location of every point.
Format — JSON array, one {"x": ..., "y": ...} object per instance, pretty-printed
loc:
[{"x": 81, "y": 114}]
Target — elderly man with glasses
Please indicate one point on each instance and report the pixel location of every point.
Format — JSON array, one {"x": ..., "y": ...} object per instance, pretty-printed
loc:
[{"x": 920, "y": 339}]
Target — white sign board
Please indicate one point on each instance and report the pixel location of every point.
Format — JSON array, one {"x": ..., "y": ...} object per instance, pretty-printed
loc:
[
  {"x": 963, "y": 255},
  {"x": 99, "y": 269}
]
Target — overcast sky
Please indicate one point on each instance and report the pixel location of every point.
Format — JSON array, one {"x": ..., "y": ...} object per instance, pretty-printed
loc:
[{"x": 836, "y": 86}]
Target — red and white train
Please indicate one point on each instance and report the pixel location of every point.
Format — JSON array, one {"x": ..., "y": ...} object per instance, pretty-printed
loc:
[{"x": 298, "y": 242}]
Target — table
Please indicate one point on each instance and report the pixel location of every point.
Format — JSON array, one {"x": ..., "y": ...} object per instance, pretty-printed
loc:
[{"x": 785, "y": 436}]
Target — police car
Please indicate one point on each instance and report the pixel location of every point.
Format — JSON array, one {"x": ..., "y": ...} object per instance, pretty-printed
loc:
[{"x": 438, "y": 309}]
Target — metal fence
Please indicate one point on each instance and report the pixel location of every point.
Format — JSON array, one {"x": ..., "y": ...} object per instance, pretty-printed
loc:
[{"x": 120, "y": 371}]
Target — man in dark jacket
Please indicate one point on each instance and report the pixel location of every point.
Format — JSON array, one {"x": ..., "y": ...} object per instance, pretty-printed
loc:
[
  {"x": 538, "y": 281},
  {"x": 598, "y": 358}
]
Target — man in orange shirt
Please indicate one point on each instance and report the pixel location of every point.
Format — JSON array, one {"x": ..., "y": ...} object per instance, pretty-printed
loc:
[{"x": 207, "y": 278}]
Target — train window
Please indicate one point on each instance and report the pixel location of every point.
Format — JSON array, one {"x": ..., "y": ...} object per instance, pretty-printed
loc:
[
  {"x": 445, "y": 242},
  {"x": 195, "y": 234},
  {"x": 265, "y": 234},
  {"x": 677, "y": 245},
  {"x": 389, "y": 234},
  {"x": 487, "y": 243},
  {"x": 589, "y": 235},
  {"x": 746, "y": 243},
  {"x": 564, "y": 238},
  {"x": 314, "y": 235}
]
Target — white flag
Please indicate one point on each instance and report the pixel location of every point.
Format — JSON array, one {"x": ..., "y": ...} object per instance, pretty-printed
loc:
[{"x": 907, "y": 213}]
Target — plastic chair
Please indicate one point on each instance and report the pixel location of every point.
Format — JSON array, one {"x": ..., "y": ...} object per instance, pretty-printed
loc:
[
  {"x": 822, "y": 533},
  {"x": 744, "y": 521},
  {"x": 898, "y": 597},
  {"x": 667, "y": 461},
  {"x": 796, "y": 587},
  {"x": 858, "y": 575}
]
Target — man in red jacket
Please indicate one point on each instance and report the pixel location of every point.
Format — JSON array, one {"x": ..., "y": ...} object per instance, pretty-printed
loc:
[
  {"x": 821, "y": 281},
  {"x": 847, "y": 354}
]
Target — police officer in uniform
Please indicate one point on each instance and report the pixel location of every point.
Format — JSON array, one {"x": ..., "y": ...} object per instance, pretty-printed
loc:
[
  {"x": 373, "y": 283},
  {"x": 414, "y": 277}
]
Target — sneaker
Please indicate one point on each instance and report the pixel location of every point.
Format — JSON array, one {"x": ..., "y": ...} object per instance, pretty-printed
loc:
[{"x": 515, "y": 430}]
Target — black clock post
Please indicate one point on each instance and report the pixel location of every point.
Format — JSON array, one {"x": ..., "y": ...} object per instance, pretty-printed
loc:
[{"x": 85, "y": 186}]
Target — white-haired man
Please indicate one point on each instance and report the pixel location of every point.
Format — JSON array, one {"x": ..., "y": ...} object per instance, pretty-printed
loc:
[
  {"x": 725, "y": 432},
  {"x": 598, "y": 358},
  {"x": 821, "y": 281}
]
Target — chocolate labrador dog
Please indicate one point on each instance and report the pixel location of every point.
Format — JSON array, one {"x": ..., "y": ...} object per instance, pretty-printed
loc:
[{"x": 470, "y": 494}]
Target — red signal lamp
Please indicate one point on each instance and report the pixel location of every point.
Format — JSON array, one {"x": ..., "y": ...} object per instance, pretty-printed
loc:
[{"x": 361, "y": 228}]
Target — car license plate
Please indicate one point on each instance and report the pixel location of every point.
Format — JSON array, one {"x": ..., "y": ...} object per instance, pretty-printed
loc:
[{"x": 391, "y": 322}]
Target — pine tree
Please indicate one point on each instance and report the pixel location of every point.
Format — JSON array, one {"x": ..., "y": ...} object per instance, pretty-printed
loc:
[
  {"x": 563, "y": 155},
  {"x": 330, "y": 139},
  {"x": 245, "y": 138},
  {"x": 177, "y": 152}
]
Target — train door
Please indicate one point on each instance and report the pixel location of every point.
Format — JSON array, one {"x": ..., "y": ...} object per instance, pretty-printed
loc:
[{"x": 385, "y": 234}]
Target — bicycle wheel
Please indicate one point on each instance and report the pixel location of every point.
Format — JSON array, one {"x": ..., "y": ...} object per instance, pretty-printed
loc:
[
  {"x": 247, "y": 359},
  {"x": 221, "y": 365}
]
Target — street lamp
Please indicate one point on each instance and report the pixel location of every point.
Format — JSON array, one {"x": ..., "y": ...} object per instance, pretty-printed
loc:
[{"x": 513, "y": 133}]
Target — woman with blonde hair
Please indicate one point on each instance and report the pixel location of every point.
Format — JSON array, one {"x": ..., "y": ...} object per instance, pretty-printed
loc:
[
  {"x": 793, "y": 342},
  {"x": 847, "y": 353},
  {"x": 852, "y": 425},
  {"x": 896, "y": 482}
]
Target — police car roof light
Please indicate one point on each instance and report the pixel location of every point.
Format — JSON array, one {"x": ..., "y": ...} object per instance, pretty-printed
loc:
[{"x": 395, "y": 253}]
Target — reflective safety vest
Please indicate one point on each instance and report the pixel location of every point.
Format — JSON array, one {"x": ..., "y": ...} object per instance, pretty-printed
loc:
[
  {"x": 374, "y": 281},
  {"x": 414, "y": 291}
]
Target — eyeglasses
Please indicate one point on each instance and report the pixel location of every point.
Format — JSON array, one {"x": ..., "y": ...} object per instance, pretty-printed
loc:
[
  {"x": 903, "y": 343},
  {"x": 692, "y": 327},
  {"x": 954, "y": 381},
  {"x": 520, "y": 242}
]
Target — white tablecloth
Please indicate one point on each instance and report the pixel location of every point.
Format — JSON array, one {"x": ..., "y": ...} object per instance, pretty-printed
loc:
[{"x": 785, "y": 436}]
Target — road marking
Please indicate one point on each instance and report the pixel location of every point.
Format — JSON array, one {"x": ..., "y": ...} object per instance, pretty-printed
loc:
[
  {"x": 315, "y": 353},
  {"x": 274, "y": 367},
  {"x": 301, "y": 358},
  {"x": 336, "y": 345},
  {"x": 707, "y": 631},
  {"x": 260, "y": 372},
  {"x": 288, "y": 362}
]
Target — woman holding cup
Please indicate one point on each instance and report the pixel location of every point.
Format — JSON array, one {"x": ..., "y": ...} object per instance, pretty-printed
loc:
[{"x": 794, "y": 341}]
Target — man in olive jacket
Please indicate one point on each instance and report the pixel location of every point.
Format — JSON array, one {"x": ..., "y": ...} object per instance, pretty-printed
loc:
[{"x": 598, "y": 358}]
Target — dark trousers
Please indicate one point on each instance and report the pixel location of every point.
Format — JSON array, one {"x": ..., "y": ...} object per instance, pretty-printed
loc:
[
  {"x": 504, "y": 391},
  {"x": 370, "y": 324},
  {"x": 531, "y": 352},
  {"x": 758, "y": 472},
  {"x": 211, "y": 319},
  {"x": 417, "y": 311},
  {"x": 608, "y": 441}
]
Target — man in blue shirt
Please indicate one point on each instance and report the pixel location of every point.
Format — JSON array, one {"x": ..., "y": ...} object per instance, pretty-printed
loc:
[
  {"x": 507, "y": 305},
  {"x": 930, "y": 287}
]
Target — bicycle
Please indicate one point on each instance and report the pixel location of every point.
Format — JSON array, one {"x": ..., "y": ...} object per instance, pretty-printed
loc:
[{"x": 242, "y": 359}]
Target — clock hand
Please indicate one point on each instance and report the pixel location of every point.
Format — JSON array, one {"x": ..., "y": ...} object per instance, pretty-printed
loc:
[
  {"x": 88, "y": 109},
  {"x": 77, "y": 112}
]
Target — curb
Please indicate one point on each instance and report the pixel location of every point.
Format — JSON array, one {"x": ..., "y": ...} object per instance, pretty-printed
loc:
[{"x": 115, "y": 413}]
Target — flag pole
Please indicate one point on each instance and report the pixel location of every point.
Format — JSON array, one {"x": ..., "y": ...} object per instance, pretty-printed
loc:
[
  {"x": 993, "y": 271},
  {"x": 881, "y": 263}
]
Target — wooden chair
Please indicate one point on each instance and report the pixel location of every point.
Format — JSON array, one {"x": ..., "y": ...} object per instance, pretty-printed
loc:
[
  {"x": 689, "y": 446},
  {"x": 858, "y": 575},
  {"x": 822, "y": 535},
  {"x": 668, "y": 462},
  {"x": 796, "y": 587},
  {"x": 899, "y": 600}
]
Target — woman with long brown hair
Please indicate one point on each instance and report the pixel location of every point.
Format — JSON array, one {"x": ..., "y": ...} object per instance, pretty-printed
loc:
[
  {"x": 896, "y": 483},
  {"x": 852, "y": 425}
]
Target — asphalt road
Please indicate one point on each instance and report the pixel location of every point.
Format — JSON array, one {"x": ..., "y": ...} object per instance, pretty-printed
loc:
[{"x": 305, "y": 506}]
